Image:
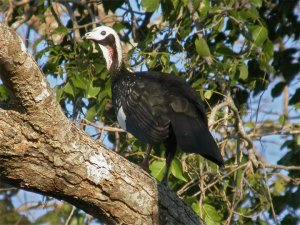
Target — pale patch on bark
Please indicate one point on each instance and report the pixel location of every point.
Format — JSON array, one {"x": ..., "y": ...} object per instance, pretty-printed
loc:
[
  {"x": 23, "y": 47},
  {"x": 140, "y": 199},
  {"x": 28, "y": 63},
  {"x": 98, "y": 168},
  {"x": 44, "y": 94}
]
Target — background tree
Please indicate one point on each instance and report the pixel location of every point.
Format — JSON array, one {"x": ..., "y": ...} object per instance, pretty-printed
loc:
[{"x": 238, "y": 55}]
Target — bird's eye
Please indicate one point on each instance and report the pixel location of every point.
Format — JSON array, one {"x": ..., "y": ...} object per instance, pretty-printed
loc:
[{"x": 103, "y": 32}]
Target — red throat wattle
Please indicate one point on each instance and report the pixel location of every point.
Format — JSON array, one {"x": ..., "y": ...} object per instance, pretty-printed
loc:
[{"x": 111, "y": 51}]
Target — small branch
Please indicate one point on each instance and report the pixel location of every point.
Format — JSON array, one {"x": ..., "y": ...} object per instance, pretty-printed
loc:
[
  {"x": 270, "y": 128},
  {"x": 282, "y": 167},
  {"x": 117, "y": 142},
  {"x": 242, "y": 132},
  {"x": 214, "y": 111},
  {"x": 56, "y": 17},
  {"x": 106, "y": 128},
  {"x": 226, "y": 175},
  {"x": 39, "y": 205},
  {"x": 269, "y": 197},
  {"x": 70, "y": 216},
  {"x": 74, "y": 21}
]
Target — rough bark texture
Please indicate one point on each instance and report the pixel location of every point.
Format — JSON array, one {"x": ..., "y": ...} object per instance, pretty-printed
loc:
[{"x": 41, "y": 151}]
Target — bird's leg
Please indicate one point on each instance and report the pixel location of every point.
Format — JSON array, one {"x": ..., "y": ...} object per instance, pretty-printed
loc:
[
  {"x": 145, "y": 163},
  {"x": 169, "y": 157}
]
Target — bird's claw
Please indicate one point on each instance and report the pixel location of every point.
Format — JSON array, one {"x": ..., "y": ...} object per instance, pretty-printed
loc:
[{"x": 145, "y": 166}]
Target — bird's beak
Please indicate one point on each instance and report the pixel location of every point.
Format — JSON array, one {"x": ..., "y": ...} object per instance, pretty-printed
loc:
[
  {"x": 85, "y": 37},
  {"x": 90, "y": 36}
]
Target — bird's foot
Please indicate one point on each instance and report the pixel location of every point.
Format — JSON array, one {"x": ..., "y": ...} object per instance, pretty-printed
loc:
[
  {"x": 164, "y": 182},
  {"x": 145, "y": 166}
]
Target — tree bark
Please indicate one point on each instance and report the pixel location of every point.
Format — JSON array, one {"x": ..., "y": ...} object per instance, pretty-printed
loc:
[{"x": 43, "y": 152}]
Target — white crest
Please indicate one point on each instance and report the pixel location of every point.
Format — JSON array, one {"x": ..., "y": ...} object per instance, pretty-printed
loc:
[{"x": 100, "y": 34}]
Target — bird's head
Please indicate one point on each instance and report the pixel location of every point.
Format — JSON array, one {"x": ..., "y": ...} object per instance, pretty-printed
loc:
[{"x": 110, "y": 44}]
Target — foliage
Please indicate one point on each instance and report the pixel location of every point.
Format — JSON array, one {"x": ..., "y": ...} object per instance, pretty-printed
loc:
[{"x": 226, "y": 49}]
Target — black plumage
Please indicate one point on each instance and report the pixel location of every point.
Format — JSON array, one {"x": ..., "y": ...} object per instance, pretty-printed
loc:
[{"x": 157, "y": 108}]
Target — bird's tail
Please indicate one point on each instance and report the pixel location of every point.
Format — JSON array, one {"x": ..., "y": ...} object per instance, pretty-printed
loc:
[{"x": 193, "y": 136}]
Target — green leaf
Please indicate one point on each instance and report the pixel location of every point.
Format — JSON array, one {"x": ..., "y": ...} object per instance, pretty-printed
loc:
[
  {"x": 195, "y": 207},
  {"x": 249, "y": 125},
  {"x": 58, "y": 93},
  {"x": 224, "y": 50},
  {"x": 268, "y": 50},
  {"x": 239, "y": 179},
  {"x": 80, "y": 82},
  {"x": 247, "y": 14},
  {"x": 176, "y": 169},
  {"x": 185, "y": 2},
  {"x": 157, "y": 169},
  {"x": 243, "y": 69},
  {"x": 150, "y": 5},
  {"x": 102, "y": 95},
  {"x": 202, "y": 47},
  {"x": 256, "y": 3},
  {"x": 99, "y": 67},
  {"x": 69, "y": 89},
  {"x": 279, "y": 187},
  {"x": 61, "y": 30},
  {"x": 175, "y": 3},
  {"x": 3, "y": 93},
  {"x": 209, "y": 221},
  {"x": 282, "y": 119},
  {"x": 92, "y": 92},
  {"x": 298, "y": 140},
  {"x": 208, "y": 94},
  {"x": 212, "y": 213},
  {"x": 259, "y": 34},
  {"x": 90, "y": 114}
]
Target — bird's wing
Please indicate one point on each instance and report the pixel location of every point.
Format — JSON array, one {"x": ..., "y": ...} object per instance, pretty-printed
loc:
[
  {"x": 191, "y": 131},
  {"x": 188, "y": 118},
  {"x": 146, "y": 112}
]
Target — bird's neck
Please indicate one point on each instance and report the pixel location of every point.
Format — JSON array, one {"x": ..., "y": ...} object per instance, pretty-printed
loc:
[
  {"x": 119, "y": 74},
  {"x": 113, "y": 56}
]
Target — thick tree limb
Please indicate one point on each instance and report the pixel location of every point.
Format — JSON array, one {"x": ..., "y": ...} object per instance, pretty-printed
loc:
[{"x": 41, "y": 151}]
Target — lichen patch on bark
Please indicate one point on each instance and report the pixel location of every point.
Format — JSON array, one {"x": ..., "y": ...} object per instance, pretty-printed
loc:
[
  {"x": 44, "y": 94},
  {"x": 98, "y": 168}
]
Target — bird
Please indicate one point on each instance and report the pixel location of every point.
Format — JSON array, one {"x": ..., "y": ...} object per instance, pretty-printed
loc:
[{"x": 155, "y": 107}]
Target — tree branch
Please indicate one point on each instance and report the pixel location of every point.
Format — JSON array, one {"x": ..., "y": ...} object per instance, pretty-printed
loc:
[{"x": 41, "y": 151}]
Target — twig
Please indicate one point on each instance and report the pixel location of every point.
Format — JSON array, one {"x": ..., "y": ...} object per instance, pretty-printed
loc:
[
  {"x": 281, "y": 167},
  {"x": 74, "y": 21},
  {"x": 188, "y": 185},
  {"x": 214, "y": 111},
  {"x": 258, "y": 106},
  {"x": 106, "y": 128},
  {"x": 7, "y": 189},
  {"x": 201, "y": 186},
  {"x": 70, "y": 216},
  {"x": 242, "y": 132},
  {"x": 117, "y": 142},
  {"x": 269, "y": 197},
  {"x": 39, "y": 205},
  {"x": 56, "y": 17}
]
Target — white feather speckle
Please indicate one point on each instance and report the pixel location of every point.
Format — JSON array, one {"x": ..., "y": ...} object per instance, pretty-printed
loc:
[{"x": 121, "y": 117}]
